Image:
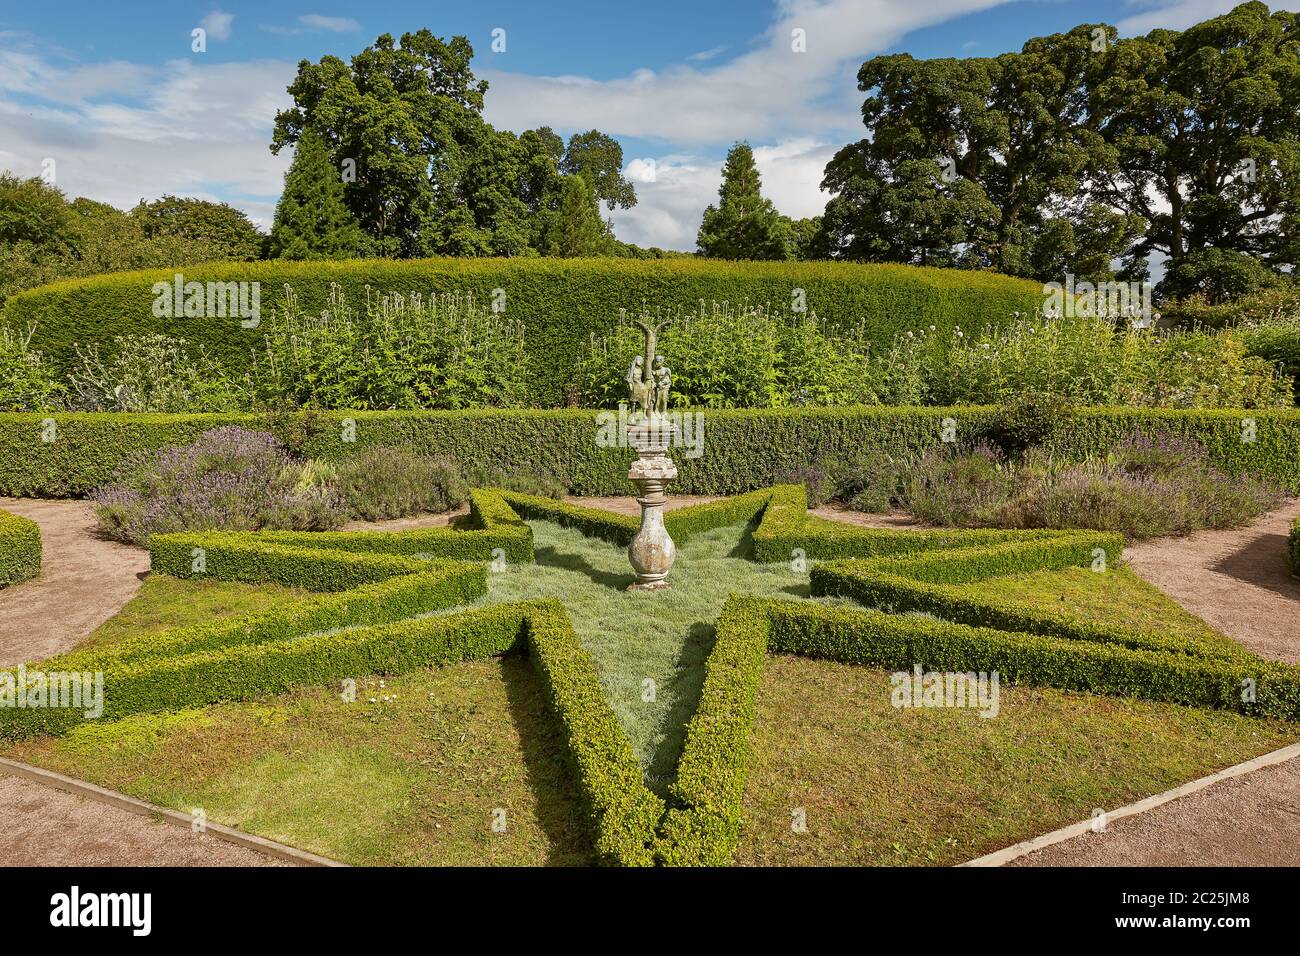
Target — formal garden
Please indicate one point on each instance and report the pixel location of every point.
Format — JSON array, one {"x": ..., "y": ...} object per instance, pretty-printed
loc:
[
  {"x": 438, "y": 526},
  {"x": 390, "y": 615}
]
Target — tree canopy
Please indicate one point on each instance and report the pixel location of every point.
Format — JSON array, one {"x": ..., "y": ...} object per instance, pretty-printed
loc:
[
  {"x": 1081, "y": 153},
  {"x": 432, "y": 177}
]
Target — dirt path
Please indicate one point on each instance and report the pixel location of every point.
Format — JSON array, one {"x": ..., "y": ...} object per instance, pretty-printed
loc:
[
  {"x": 1252, "y": 820},
  {"x": 1236, "y": 580},
  {"x": 84, "y": 581},
  {"x": 41, "y": 826}
]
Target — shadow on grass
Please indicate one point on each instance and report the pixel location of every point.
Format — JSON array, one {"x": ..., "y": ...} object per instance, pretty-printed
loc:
[
  {"x": 559, "y": 809},
  {"x": 689, "y": 681},
  {"x": 551, "y": 556}
]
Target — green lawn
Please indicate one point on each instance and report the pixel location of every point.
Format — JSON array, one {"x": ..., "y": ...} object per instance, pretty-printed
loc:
[
  {"x": 416, "y": 778},
  {"x": 639, "y": 636}
]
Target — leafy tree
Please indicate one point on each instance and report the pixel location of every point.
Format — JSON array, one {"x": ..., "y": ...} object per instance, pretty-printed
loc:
[
  {"x": 974, "y": 163},
  {"x": 43, "y": 237},
  {"x": 35, "y": 212},
  {"x": 1081, "y": 150},
  {"x": 312, "y": 221},
  {"x": 1202, "y": 132},
  {"x": 599, "y": 159},
  {"x": 432, "y": 176},
  {"x": 743, "y": 225},
  {"x": 227, "y": 229}
]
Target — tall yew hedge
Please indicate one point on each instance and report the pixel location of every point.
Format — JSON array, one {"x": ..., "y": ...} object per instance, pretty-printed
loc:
[{"x": 562, "y": 302}]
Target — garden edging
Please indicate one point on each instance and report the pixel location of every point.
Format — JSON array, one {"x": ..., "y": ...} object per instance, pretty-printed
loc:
[
  {"x": 1025, "y": 847},
  {"x": 90, "y": 791}
]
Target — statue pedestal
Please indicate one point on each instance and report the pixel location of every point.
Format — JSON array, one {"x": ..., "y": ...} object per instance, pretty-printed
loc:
[{"x": 652, "y": 551}]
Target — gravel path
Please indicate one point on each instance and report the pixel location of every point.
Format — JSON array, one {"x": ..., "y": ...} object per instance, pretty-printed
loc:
[
  {"x": 84, "y": 581},
  {"x": 1236, "y": 580},
  {"x": 1252, "y": 820},
  {"x": 42, "y": 826}
]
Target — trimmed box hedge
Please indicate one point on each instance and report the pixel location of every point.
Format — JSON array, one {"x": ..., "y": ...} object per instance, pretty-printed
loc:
[
  {"x": 20, "y": 549},
  {"x": 369, "y": 630},
  {"x": 561, "y": 302},
  {"x": 744, "y": 450}
]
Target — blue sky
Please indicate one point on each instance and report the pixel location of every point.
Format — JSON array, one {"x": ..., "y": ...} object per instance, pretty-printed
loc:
[{"x": 113, "y": 93}]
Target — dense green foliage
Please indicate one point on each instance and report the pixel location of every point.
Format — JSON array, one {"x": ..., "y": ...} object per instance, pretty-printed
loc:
[
  {"x": 28, "y": 383},
  {"x": 229, "y": 232},
  {"x": 559, "y": 303},
  {"x": 44, "y": 237},
  {"x": 1293, "y": 547},
  {"x": 398, "y": 352},
  {"x": 743, "y": 225},
  {"x": 20, "y": 549},
  {"x": 1083, "y": 147},
  {"x": 429, "y": 176},
  {"x": 743, "y": 450},
  {"x": 312, "y": 221}
]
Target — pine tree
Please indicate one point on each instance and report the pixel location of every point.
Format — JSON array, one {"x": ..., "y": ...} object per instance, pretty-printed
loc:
[
  {"x": 743, "y": 225},
  {"x": 312, "y": 221},
  {"x": 574, "y": 226}
]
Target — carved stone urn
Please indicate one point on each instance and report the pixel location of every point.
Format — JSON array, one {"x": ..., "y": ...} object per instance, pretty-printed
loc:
[{"x": 652, "y": 551}]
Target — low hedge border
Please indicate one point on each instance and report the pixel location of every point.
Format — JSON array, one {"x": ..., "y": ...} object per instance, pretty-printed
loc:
[
  {"x": 69, "y": 455},
  {"x": 327, "y": 638},
  {"x": 20, "y": 549},
  {"x": 879, "y": 639},
  {"x": 336, "y": 560},
  {"x": 623, "y": 810},
  {"x": 383, "y": 602},
  {"x": 916, "y": 571}
]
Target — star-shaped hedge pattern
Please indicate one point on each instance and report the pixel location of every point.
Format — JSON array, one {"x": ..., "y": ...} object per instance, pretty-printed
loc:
[{"x": 379, "y": 591}]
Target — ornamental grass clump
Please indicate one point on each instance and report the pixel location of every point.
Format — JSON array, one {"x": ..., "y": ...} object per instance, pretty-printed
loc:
[
  {"x": 229, "y": 479},
  {"x": 382, "y": 482}
]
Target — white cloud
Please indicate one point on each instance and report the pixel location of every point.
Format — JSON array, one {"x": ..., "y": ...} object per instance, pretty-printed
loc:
[
  {"x": 768, "y": 92},
  {"x": 333, "y": 24},
  {"x": 672, "y": 191},
  {"x": 217, "y": 23},
  {"x": 1176, "y": 15},
  {"x": 191, "y": 129},
  {"x": 198, "y": 129}
]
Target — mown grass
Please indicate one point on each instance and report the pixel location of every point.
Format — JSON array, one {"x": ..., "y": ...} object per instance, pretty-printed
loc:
[
  {"x": 416, "y": 778},
  {"x": 649, "y": 647},
  {"x": 164, "y": 602},
  {"x": 886, "y": 786},
  {"x": 410, "y": 773}
]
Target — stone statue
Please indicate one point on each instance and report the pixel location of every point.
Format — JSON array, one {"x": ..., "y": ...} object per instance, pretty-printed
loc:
[
  {"x": 648, "y": 378},
  {"x": 652, "y": 551},
  {"x": 663, "y": 377},
  {"x": 638, "y": 389}
]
